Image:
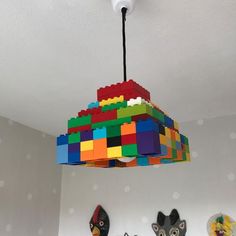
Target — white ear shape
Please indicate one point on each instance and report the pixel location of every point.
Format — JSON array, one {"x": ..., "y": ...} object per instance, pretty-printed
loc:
[
  {"x": 155, "y": 228},
  {"x": 182, "y": 224}
]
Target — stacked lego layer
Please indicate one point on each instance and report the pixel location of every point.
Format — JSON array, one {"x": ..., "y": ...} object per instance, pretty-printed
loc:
[{"x": 122, "y": 123}]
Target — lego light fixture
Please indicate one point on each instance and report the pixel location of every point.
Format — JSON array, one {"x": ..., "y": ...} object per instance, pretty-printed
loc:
[{"x": 123, "y": 128}]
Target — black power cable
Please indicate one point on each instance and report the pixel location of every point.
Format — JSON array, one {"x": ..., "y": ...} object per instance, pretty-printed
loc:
[{"x": 124, "y": 11}]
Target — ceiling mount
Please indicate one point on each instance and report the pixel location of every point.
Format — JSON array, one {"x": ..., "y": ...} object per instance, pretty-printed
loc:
[{"x": 119, "y": 4}]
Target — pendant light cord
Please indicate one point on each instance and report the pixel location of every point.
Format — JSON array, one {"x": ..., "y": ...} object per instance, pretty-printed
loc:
[{"x": 124, "y": 11}]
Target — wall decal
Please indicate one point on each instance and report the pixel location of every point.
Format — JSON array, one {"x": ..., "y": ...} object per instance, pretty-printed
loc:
[
  {"x": 169, "y": 225},
  {"x": 99, "y": 223},
  {"x": 221, "y": 225}
]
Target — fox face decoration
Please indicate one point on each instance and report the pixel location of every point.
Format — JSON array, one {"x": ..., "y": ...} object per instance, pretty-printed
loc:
[
  {"x": 169, "y": 225},
  {"x": 99, "y": 223}
]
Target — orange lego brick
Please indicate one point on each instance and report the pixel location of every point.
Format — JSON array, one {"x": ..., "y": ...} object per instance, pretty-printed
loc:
[
  {"x": 128, "y": 128},
  {"x": 154, "y": 160},
  {"x": 87, "y": 155},
  {"x": 100, "y": 148}
]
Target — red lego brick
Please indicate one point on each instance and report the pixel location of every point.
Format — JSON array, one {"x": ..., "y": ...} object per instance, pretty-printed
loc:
[
  {"x": 104, "y": 116},
  {"x": 129, "y": 89},
  {"x": 92, "y": 111},
  {"x": 128, "y": 139},
  {"x": 79, "y": 129}
]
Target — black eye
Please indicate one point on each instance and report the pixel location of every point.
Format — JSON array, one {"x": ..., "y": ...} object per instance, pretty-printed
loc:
[
  {"x": 101, "y": 223},
  {"x": 174, "y": 232},
  {"x": 91, "y": 226},
  {"x": 155, "y": 228}
]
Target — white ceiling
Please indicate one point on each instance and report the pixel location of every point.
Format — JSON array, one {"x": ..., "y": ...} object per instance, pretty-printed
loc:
[{"x": 54, "y": 54}]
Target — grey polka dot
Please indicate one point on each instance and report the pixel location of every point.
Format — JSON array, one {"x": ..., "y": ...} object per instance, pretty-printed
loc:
[
  {"x": 231, "y": 177},
  {"x": 233, "y": 135},
  {"x": 2, "y": 183},
  {"x": 194, "y": 154},
  {"x": 176, "y": 195},
  {"x": 95, "y": 187},
  {"x": 144, "y": 220},
  {"x": 28, "y": 156},
  {"x": 29, "y": 196},
  {"x": 200, "y": 122},
  {"x": 127, "y": 189},
  {"x": 73, "y": 173},
  {"x": 8, "y": 228},
  {"x": 71, "y": 211}
]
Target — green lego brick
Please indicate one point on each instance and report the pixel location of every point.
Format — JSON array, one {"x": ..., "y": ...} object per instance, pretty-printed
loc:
[
  {"x": 79, "y": 121},
  {"x": 187, "y": 149},
  {"x": 111, "y": 122},
  {"x": 74, "y": 138},
  {"x": 134, "y": 110},
  {"x": 174, "y": 153},
  {"x": 158, "y": 115},
  {"x": 114, "y": 106},
  {"x": 173, "y": 144},
  {"x": 130, "y": 150},
  {"x": 113, "y": 131},
  {"x": 184, "y": 156},
  {"x": 186, "y": 140}
]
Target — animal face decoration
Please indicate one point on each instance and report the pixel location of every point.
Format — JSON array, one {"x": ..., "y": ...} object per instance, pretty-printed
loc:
[
  {"x": 99, "y": 223},
  {"x": 169, "y": 225}
]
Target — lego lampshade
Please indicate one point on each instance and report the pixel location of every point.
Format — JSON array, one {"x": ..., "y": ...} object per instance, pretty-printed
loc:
[{"x": 123, "y": 128}]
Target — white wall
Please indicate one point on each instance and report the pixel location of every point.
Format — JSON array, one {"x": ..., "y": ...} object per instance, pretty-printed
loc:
[
  {"x": 30, "y": 182},
  {"x": 132, "y": 197}
]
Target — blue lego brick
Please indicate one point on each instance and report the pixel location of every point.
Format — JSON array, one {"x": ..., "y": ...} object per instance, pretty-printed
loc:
[
  {"x": 164, "y": 150},
  {"x": 62, "y": 139},
  {"x": 169, "y": 122},
  {"x": 99, "y": 133},
  {"x": 74, "y": 158},
  {"x": 178, "y": 145},
  {"x": 147, "y": 125},
  {"x": 166, "y": 161},
  {"x": 112, "y": 163},
  {"x": 93, "y": 105},
  {"x": 142, "y": 161},
  {"x": 62, "y": 154}
]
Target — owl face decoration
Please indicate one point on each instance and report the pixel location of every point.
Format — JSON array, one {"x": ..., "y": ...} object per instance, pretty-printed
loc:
[
  {"x": 99, "y": 223},
  {"x": 169, "y": 225}
]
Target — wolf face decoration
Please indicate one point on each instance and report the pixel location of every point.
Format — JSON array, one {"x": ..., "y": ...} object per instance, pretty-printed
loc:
[
  {"x": 169, "y": 225},
  {"x": 99, "y": 223}
]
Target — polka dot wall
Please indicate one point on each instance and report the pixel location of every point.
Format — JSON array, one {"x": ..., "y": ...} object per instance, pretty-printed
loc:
[
  {"x": 29, "y": 182},
  {"x": 132, "y": 197}
]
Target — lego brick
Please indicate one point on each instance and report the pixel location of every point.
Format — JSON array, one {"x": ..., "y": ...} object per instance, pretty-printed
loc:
[
  {"x": 167, "y": 131},
  {"x": 92, "y": 111},
  {"x": 75, "y": 147},
  {"x": 148, "y": 143},
  {"x": 100, "y": 148},
  {"x": 86, "y": 135},
  {"x": 162, "y": 129},
  {"x": 74, "y": 138},
  {"x": 176, "y": 125},
  {"x": 114, "y": 141},
  {"x": 128, "y": 139},
  {"x": 87, "y": 155},
  {"x": 93, "y": 105},
  {"x": 114, "y": 106},
  {"x": 79, "y": 121},
  {"x": 114, "y": 152},
  {"x": 184, "y": 139},
  {"x": 154, "y": 160},
  {"x": 110, "y": 101},
  {"x": 62, "y": 154},
  {"x": 178, "y": 145},
  {"x": 74, "y": 158},
  {"x": 132, "y": 163},
  {"x": 142, "y": 161},
  {"x": 113, "y": 131},
  {"x": 62, "y": 139},
  {"x": 147, "y": 125},
  {"x": 169, "y": 122},
  {"x": 159, "y": 115},
  {"x": 163, "y": 139},
  {"x": 164, "y": 150},
  {"x": 99, "y": 133},
  {"x": 128, "y": 128},
  {"x": 104, "y": 116},
  {"x": 177, "y": 136},
  {"x": 173, "y": 144},
  {"x": 123, "y": 88},
  {"x": 86, "y": 145},
  {"x": 129, "y": 150},
  {"x": 111, "y": 122},
  {"x": 135, "y": 101},
  {"x": 134, "y": 110},
  {"x": 79, "y": 129}
]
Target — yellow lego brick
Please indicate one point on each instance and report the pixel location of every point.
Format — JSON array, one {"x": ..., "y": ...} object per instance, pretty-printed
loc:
[
  {"x": 111, "y": 101},
  {"x": 168, "y": 142},
  {"x": 114, "y": 152},
  {"x": 168, "y": 133},
  {"x": 163, "y": 139},
  {"x": 188, "y": 156},
  {"x": 176, "y": 125},
  {"x": 86, "y": 145},
  {"x": 177, "y": 136}
]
